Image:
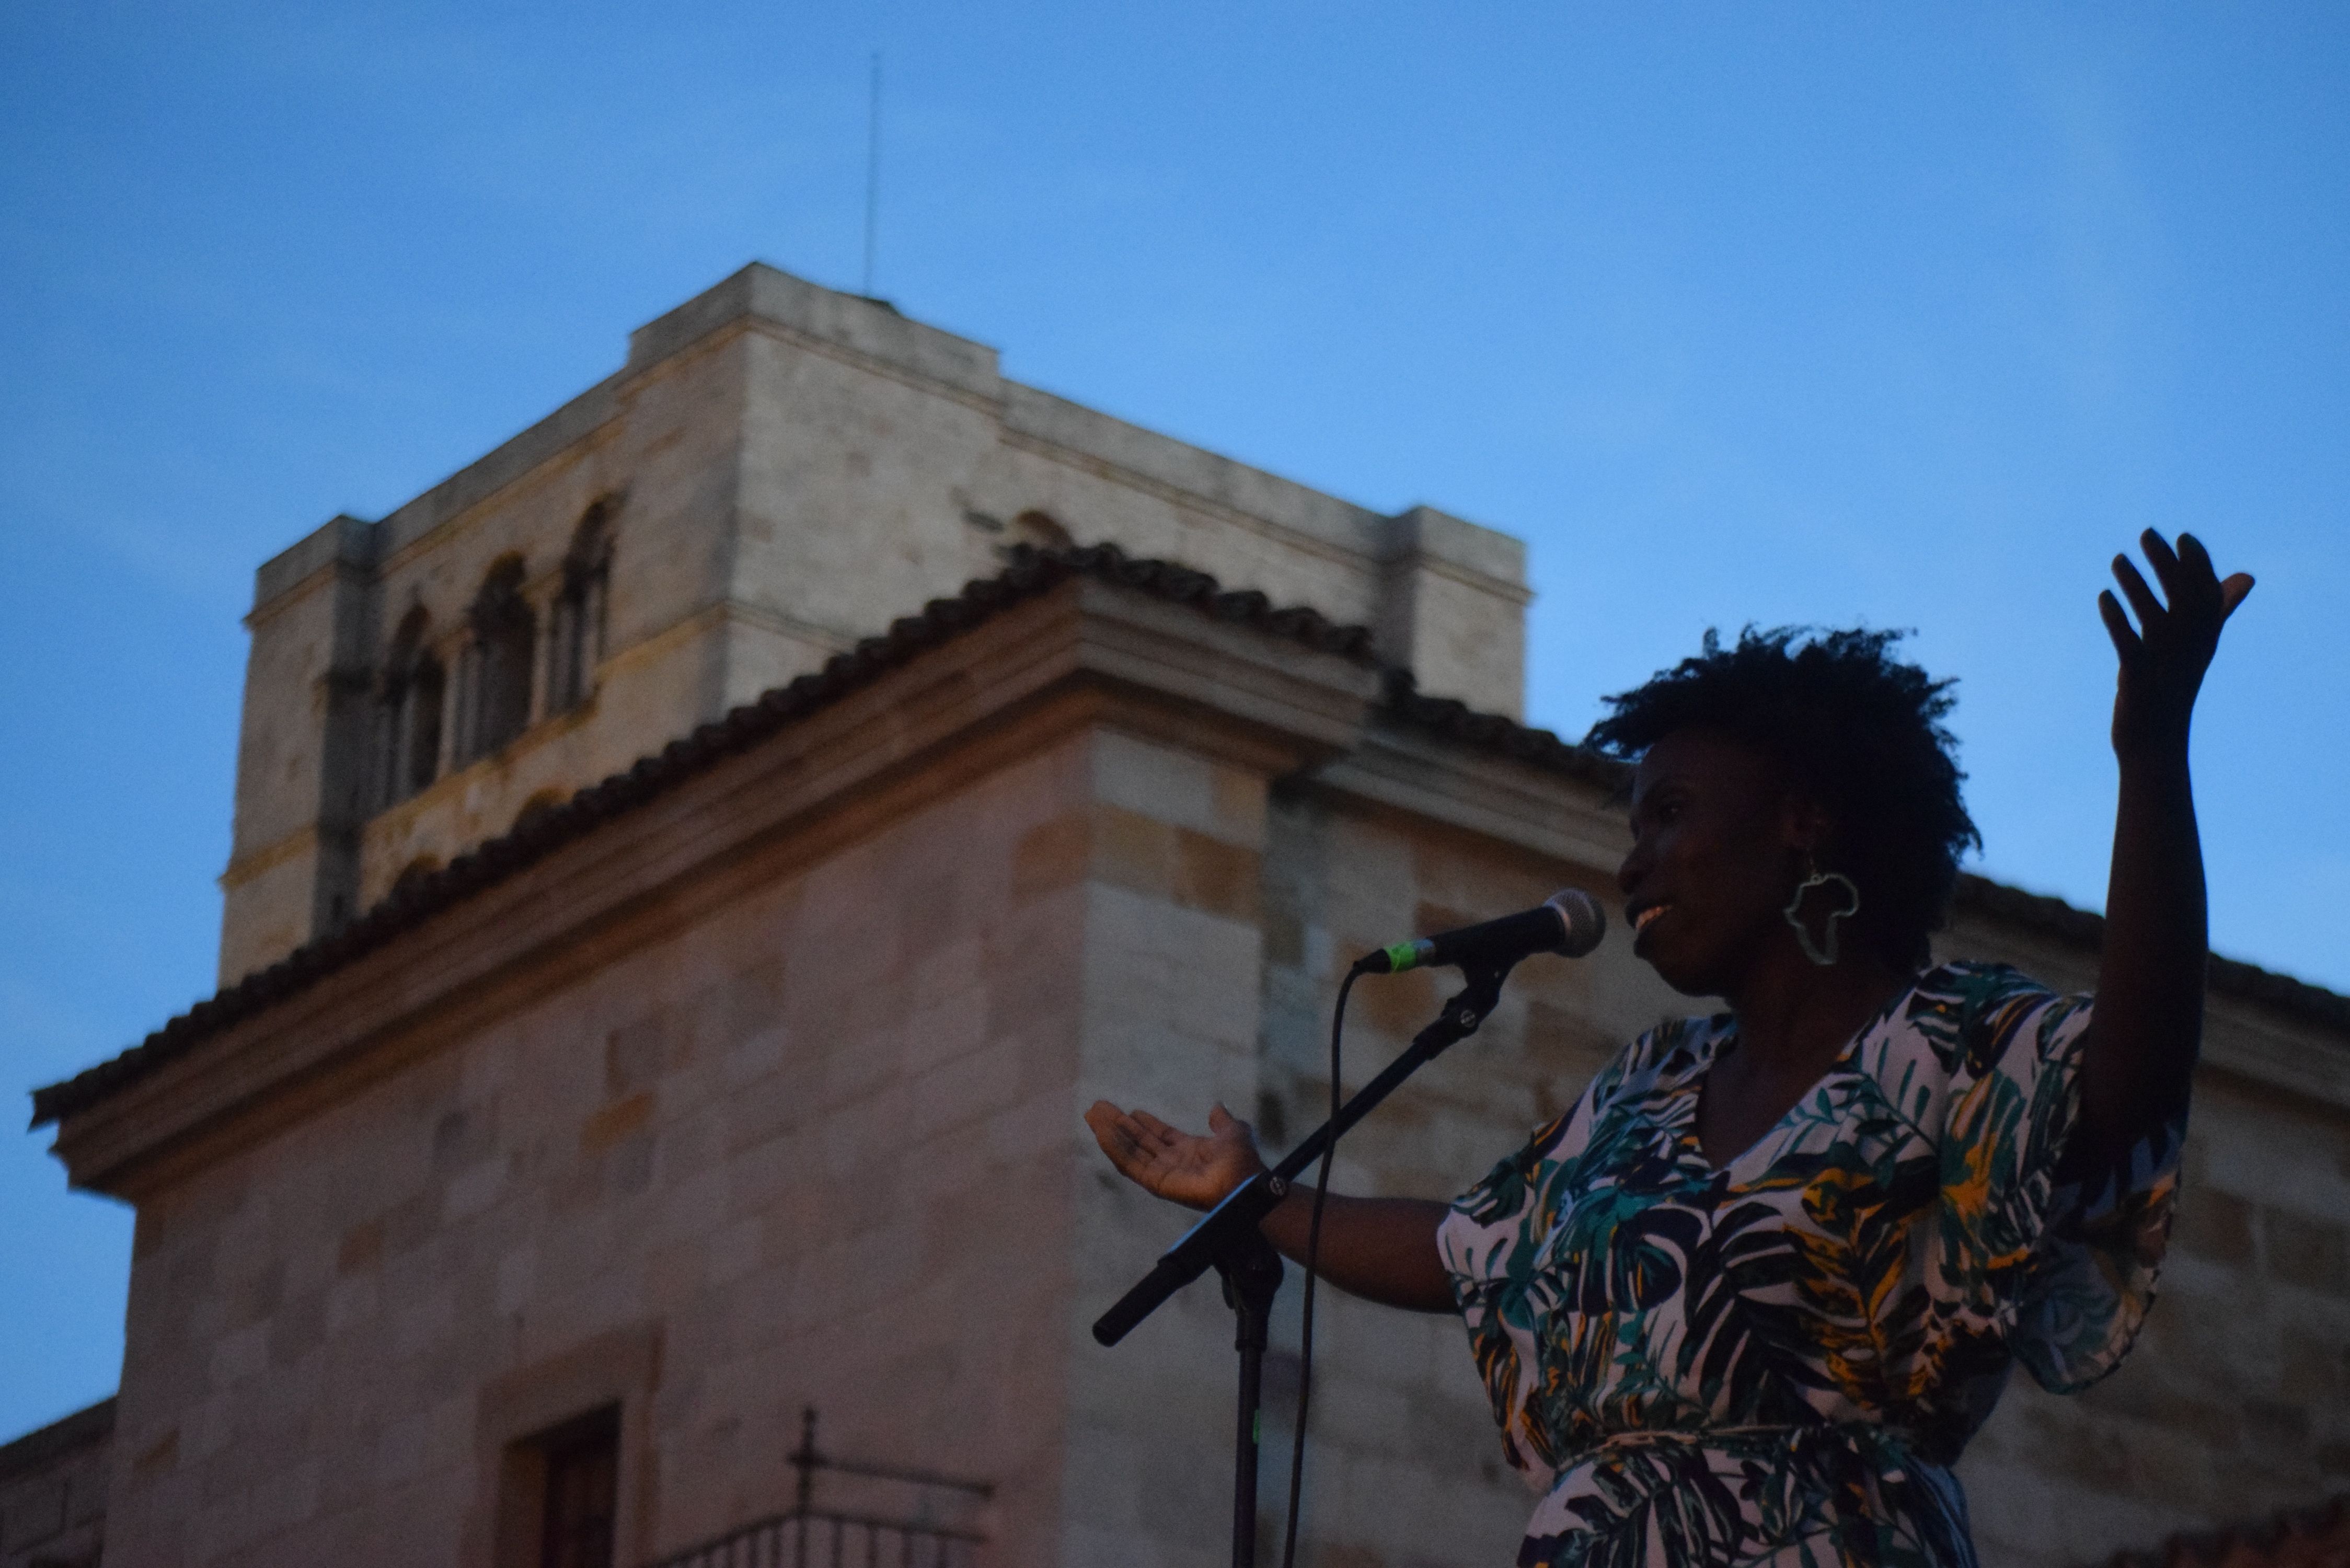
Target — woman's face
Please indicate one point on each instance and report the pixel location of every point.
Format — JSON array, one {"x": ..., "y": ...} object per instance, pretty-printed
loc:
[{"x": 1715, "y": 851}]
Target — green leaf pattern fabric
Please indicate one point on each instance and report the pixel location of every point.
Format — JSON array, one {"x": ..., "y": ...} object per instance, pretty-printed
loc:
[{"x": 1777, "y": 1362}]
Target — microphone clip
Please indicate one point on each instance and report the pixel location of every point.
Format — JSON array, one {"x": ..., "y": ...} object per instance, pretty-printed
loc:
[{"x": 1468, "y": 1009}]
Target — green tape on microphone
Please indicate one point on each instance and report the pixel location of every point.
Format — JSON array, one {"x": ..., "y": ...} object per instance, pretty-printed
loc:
[{"x": 1406, "y": 955}]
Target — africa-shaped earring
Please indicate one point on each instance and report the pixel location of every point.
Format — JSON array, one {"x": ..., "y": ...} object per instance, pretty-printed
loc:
[{"x": 1822, "y": 953}]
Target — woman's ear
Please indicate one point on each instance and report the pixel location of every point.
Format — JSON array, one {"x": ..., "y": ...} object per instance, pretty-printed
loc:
[{"x": 1805, "y": 827}]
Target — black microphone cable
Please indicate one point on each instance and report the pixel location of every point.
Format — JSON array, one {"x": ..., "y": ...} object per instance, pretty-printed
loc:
[
  {"x": 1574, "y": 926},
  {"x": 1313, "y": 1258}
]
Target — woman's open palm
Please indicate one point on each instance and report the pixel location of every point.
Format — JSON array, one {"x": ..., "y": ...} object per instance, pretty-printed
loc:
[
  {"x": 2163, "y": 658},
  {"x": 1167, "y": 1162}
]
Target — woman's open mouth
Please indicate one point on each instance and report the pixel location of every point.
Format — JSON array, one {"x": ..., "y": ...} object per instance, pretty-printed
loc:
[{"x": 1648, "y": 915}]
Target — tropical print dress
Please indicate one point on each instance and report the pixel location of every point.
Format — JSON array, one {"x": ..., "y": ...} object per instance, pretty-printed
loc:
[{"x": 1777, "y": 1362}]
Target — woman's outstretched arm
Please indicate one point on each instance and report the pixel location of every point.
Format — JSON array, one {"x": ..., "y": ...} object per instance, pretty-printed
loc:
[
  {"x": 2139, "y": 1055},
  {"x": 1381, "y": 1248}
]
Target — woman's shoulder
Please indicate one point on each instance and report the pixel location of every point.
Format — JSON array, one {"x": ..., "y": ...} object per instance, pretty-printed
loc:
[
  {"x": 1968, "y": 1010},
  {"x": 1973, "y": 990}
]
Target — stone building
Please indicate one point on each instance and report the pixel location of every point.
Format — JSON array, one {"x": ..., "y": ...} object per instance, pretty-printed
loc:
[{"x": 691, "y": 867}]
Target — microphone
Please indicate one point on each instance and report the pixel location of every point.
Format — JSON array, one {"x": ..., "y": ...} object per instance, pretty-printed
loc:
[{"x": 1569, "y": 923}]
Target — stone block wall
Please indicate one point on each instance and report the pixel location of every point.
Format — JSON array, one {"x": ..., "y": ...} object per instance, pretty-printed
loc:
[
  {"x": 1171, "y": 961},
  {"x": 53, "y": 1491},
  {"x": 812, "y": 1149}
]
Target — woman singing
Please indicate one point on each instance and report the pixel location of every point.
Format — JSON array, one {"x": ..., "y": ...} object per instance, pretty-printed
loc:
[{"x": 1749, "y": 1299}]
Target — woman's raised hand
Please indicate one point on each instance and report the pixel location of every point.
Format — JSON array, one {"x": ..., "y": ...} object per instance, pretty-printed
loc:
[
  {"x": 1168, "y": 1163},
  {"x": 2139, "y": 1059},
  {"x": 2163, "y": 658}
]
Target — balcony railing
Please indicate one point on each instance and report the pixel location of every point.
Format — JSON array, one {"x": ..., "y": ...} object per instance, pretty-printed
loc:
[{"x": 809, "y": 1536}]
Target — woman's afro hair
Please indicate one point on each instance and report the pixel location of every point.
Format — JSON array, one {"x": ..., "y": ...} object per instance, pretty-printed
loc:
[{"x": 1858, "y": 732}]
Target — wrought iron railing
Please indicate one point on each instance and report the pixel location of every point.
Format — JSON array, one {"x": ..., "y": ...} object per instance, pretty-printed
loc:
[{"x": 809, "y": 1536}]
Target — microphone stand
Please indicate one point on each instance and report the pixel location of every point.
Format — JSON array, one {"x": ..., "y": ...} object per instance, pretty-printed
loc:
[
  {"x": 1227, "y": 1240},
  {"x": 1251, "y": 1278}
]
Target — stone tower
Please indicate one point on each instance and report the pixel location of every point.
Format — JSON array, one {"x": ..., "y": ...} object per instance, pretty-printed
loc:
[{"x": 776, "y": 471}]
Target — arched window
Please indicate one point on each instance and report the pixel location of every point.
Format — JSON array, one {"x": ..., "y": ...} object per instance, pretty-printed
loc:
[
  {"x": 493, "y": 681},
  {"x": 577, "y": 639},
  {"x": 407, "y": 714}
]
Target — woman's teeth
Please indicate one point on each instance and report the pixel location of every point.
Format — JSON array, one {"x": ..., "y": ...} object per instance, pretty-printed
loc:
[{"x": 1647, "y": 917}]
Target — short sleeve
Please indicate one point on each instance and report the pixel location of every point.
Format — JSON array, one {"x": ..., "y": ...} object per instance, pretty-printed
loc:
[
  {"x": 2075, "y": 1259},
  {"x": 1495, "y": 1223},
  {"x": 2093, "y": 1273}
]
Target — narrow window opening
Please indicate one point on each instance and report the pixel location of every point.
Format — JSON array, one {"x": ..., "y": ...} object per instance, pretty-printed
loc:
[
  {"x": 577, "y": 639},
  {"x": 407, "y": 714},
  {"x": 497, "y": 670},
  {"x": 427, "y": 691}
]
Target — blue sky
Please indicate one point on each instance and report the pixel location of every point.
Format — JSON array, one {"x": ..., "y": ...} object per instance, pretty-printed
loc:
[{"x": 1822, "y": 313}]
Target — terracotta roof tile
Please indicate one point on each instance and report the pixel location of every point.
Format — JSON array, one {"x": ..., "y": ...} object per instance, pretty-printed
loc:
[{"x": 1456, "y": 721}]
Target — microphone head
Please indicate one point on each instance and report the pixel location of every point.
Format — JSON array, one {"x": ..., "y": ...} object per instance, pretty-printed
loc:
[{"x": 1585, "y": 920}]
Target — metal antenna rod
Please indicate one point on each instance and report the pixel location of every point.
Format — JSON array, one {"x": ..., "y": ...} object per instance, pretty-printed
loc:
[{"x": 872, "y": 170}]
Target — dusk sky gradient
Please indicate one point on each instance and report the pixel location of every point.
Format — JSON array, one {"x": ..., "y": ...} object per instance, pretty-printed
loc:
[{"x": 1829, "y": 313}]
